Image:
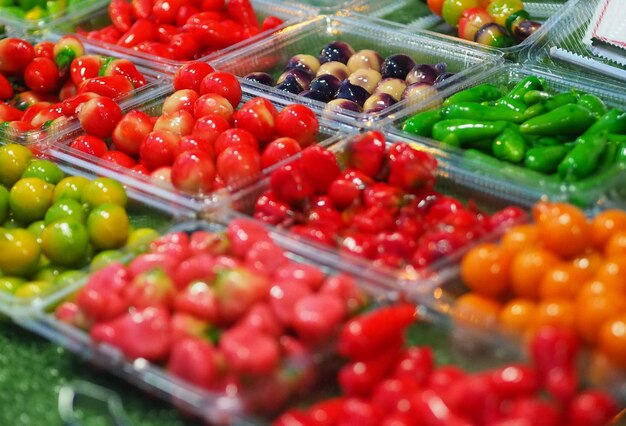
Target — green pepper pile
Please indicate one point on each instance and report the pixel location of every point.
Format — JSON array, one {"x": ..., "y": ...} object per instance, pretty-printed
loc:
[{"x": 570, "y": 135}]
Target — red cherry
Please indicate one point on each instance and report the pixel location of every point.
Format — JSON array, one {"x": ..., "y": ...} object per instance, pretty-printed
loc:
[
  {"x": 193, "y": 171},
  {"x": 235, "y": 137},
  {"x": 184, "y": 99},
  {"x": 189, "y": 143},
  {"x": 591, "y": 408},
  {"x": 258, "y": 117},
  {"x": 131, "y": 131},
  {"x": 222, "y": 83},
  {"x": 278, "y": 150},
  {"x": 298, "y": 122},
  {"x": 180, "y": 123},
  {"x": 366, "y": 152},
  {"x": 119, "y": 158},
  {"x": 290, "y": 184},
  {"x": 99, "y": 116},
  {"x": 320, "y": 166},
  {"x": 210, "y": 127},
  {"x": 159, "y": 149},
  {"x": 189, "y": 76},
  {"x": 212, "y": 104},
  {"x": 238, "y": 165},
  {"x": 90, "y": 145}
]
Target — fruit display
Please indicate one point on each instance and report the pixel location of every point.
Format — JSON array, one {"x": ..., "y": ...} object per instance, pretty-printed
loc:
[
  {"x": 42, "y": 85},
  {"x": 495, "y": 23},
  {"x": 179, "y": 30},
  {"x": 224, "y": 310},
  {"x": 567, "y": 136},
  {"x": 374, "y": 201},
  {"x": 387, "y": 381},
  {"x": 197, "y": 141},
  {"x": 359, "y": 81},
  {"x": 52, "y": 224},
  {"x": 562, "y": 269}
]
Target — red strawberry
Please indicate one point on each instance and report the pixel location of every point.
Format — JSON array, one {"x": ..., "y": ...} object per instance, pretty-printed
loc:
[
  {"x": 237, "y": 290},
  {"x": 243, "y": 233},
  {"x": 411, "y": 170},
  {"x": 199, "y": 267},
  {"x": 150, "y": 288},
  {"x": 248, "y": 351},
  {"x": 214, "y": 243},
  {"x": 283, "y": 298},
  {"x": 260, "y": 317},
  {"x": 366, "y": 152},
  {"x": 264, "y": 257},
  {"x": 194, "y": 360},
  {"x": 320, "y": 167},
  {"x": 102, "y": 297},
  {"x": 199, "y": 300},
  {"x": 316, "y": 316},
  {"x": 70, "y": 313},
  {"x": 148, "y": 261},
  {"x": 184, "y": 326},
  {"x": 143, "y": 333},
  {"x": 347, "y": 290},
  {"x": 309, "y": 275}
]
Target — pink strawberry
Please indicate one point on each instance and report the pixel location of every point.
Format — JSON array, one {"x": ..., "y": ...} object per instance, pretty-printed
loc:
[
  {"x": 102, "y": 297},
  {"x": 243, "y": 233},
  {"x": 316, "y": 316},
  {"x": 70, "y": 313},
  {"x": 143, "y": 333},
  {"x": 237, "y": 290},
  {"x": 411, "y": 170},
  {"x": 148, "y": 261},
  {"x": 248, "y": 351},
  {"x": 264, "y": 257},
  {"x": 199, "y": 300},
  {"x": 344, "y": 287},
  {"x": 150, "y": 288},
  {"x": 366, "y": 152},
  {"x": 283, "y": 298},
  {"x": 194, "y": 360},
  {"x": 198, "y": 267},
  {"x": 260, "y": 317},
  {"x": 174, "y": 244},
  {"x": 309, "y": 275},
  {"x": 320, "y": 167},
  {"x": 214, "y": 243},
  {"x": 185, "y": 325}
]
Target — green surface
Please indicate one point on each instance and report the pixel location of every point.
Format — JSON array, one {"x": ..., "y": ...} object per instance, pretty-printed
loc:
[{"x": 33, "y": 370}]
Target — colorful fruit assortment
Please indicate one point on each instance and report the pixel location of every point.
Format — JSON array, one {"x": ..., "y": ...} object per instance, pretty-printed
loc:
[
  {"x": 52, "y": 224},
  {"x": 358, "y": 81},
  {"x": 381, "y": 205},
  {"x": 496, "y": 23},
  {"x": 222, "y": 310},
  {"x": 32, "y": 10},
  {"x": 564, "y": 269},
  {"x": 387, "y": 382},
  {"x": 179, "y": 29},
  {"x": 569, "y": 136},
  {"x": 44, "y": 84},
  {"x": 199, "y": 142}
]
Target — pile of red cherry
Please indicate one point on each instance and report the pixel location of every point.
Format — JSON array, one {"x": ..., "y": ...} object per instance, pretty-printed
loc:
[
  {"x": 180, "y": 29},
  {"x": 387, "y": 383},
  {"x": 47, "y": 82},
  {"x": 199, "y": 142},
  {"x": 380, "y": 205},
  {"x": 219, "y": 309}
]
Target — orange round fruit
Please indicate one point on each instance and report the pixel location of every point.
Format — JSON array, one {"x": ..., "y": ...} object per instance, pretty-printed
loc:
[
  {"x": 588, "y": 263},
  {"x": 592, "y": 312},
  {"x": 485, "y": 270},
  {"x": 555, "y": 312},
  {"x": 613, "y": 272},
  {"x": 616, "y": 244},
  {"x": 516, "y": 315},
  {"x": 527, "y": 270},
  {"x": 564, "y": 229},
  {"x": 595, "y": 287},
  {"x": 605, "y": 224},
  {"x": 562, "y": 281},
  {"x": 612, "y": 340},
  {"x": 474, "y": 308},
  {"x": 520, "y": 237}
]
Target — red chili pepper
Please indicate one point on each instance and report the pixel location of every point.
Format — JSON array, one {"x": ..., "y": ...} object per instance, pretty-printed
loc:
[
  {"x": 271, "y": 22},
  {"x": 142, "y": 9},
  {"x": 85, "y": 67},
  {"x": 110, "y": 34},
  {"x": 6, "y": 90},
  {"x": 165, "y": 32},
  {"x": 242, "y": 12},
  {"x": 166, "y": 11},
  {"x": 15, "y": 55},
  {"x": 111, "y": 86},
  {"x": 360, "y": 377},
  {"x": 141, "y": 30},
  {"x": 553, "y": 347},
  {"x": 184, "y": 13},
  {"x": 371, "y": 333},
  {"x": 216, "y": 34},
  {"x": 9, "y": 113},
  {"x": 184, "y": 46},
  {"x": 44, "y": 49},
  {"x": 156, "y": 49},
  {"x": 124, "y": 68},
  {"x": 68, "y": 106},
  {"x": 120, "y": 13},
  {"x": 203, "y": 17}
]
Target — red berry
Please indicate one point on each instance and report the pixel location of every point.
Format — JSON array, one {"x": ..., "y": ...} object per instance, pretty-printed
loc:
[
  {"x": 210, "y": 127},
  {"x": 194, "y": 360},
  {"x": 278, "y": 150},
  {"x": 90, "y": 145},
  {"x": 320, "y": 166},
  {"x": 180, "y": 123},
  {"x": 591, "y": 408},
  {"x": 317, "y": 315},
  {"x": 212, "y": 104},
  {"x": 258, "y": 117},
  {"x": 193, "y": 171},
  {"x": 42, "y": 75},
  {"x": 248, "y": 351},
  {"x": 184, "y": 99},
  {"x": 119, "y": 158},
  {"x": 298, "y": 122},
  {"x": 15, "y": 55},
  {"x": 234, "y": 138},
  {"x": 222, "y": 83},
  {"x": 99, "y": 116},
  {"x": 131, "y": 131},
  {"x": 366, "y": 152},
  {"x": 290, "y": 184},
  {"x": 189, "y": 76},
  {"x": 238, "y": 165},
  {"x": 159, "y": 149}
]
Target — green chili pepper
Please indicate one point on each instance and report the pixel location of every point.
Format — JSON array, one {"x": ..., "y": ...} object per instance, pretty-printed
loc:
[
  {"x": 593, "y": 103},
  {"x": 584, "y": 158},
  {"x": 569, "y": 119},
  {"x": 535, "y": 111},
  {"x": 616, "y": 138},
  {"x": 545, "y": 159},
  {"x": 526, "y": 85},
  {"x": 549, "y": 141},
  {"x": 535, "y": 96},
  {"x": 620, "y": 156},
  {"x": 480, "y": 93},
  {"x": 509, "y": 146},
  {"x": 613, "y": 121},
  {"x": 422, "y": 124},
  {"x": 560, "y": 100},
  {"x": 608, "y": 157},
  {"x": 605, "y": 178},
  {"x": 510, "y": 171},
  {"x": 476, "y": 111},
  {"x": 458, "y": 131}
]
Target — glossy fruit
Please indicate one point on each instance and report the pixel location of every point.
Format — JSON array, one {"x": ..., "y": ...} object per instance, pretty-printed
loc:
[
  {"x": 30, "y": 198},
  {"x": 604, "y": 225},
  {"x": 612, "y": 340},
  {"x": 20, "y": 252},
  {"x": 486, "y": 269},
  {"x": 102, "y": 190},
  {"x": 527, "y": 270},
  {"x": 563, "y": 228},
  {"x": 193, "y": 171},
  {"x": 108, "y": 226},
  {"x": 99, "y": 117},
  {"x": 65, "y": 242},
  {"x": 14, "y": 159},
  {"x": 517, "y": 315}
]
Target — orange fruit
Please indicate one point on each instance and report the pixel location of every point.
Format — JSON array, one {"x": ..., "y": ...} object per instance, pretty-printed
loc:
[
  {"x": 612, "y": 340},
  {"x": 555, "y": 312},
  {"x": 485, "y": 270},
  {"x": 588, "y": 263},
  {"x": 562, "y": 281},
  {"x": 476, "y": 309},
  {"x": 613, "y": 272},
  {"x": 516, "y": 315},
  {"x": 616, "y": 244},
  {"x": 520, "y": 237},
  {"x": 563, "y": 228},
  {"x": 605, "y": 224},
  {"x": 592, "y": 312},
  {"x": 527, "y": 270}
]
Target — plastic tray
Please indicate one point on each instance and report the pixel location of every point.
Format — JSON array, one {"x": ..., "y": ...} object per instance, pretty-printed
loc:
[
  {"x": 143, "y": 210},
  {"x": 19, "y": 27},
  {"x": 593, "y": 193},
  {"x": 563, "y": 48},
  {"x": 99, "y": 18},
  {"x": 451, "y": 180},
  {"x": 151, "y": 103},
  {"x": 213, "y": 407},
  {"x": 326, "y": 7},
  {"x": 154, "y": 82},
  {"x": 271, "y": 55},
  {"x": 416, "y": 15}
]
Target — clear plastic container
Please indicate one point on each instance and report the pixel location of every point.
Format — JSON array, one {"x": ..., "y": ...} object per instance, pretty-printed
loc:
[
  {"x": 326, "y": 7},
  {"x": 213, "y": 407},
  {"x": 416, "y": 15},
  {"x": 451, "y": 180},
  {"x": 143, "y": 211},
  {"x": 16, "y": 26},
  {"x": 151, "y": 103},
  {"x": 271, "y": 55},
  {"x": 99, "y": 18},
  {"x": 563, "y": 47},
  {"x": 525, "y": 186},
  {"x": 154, "y": 82}
]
